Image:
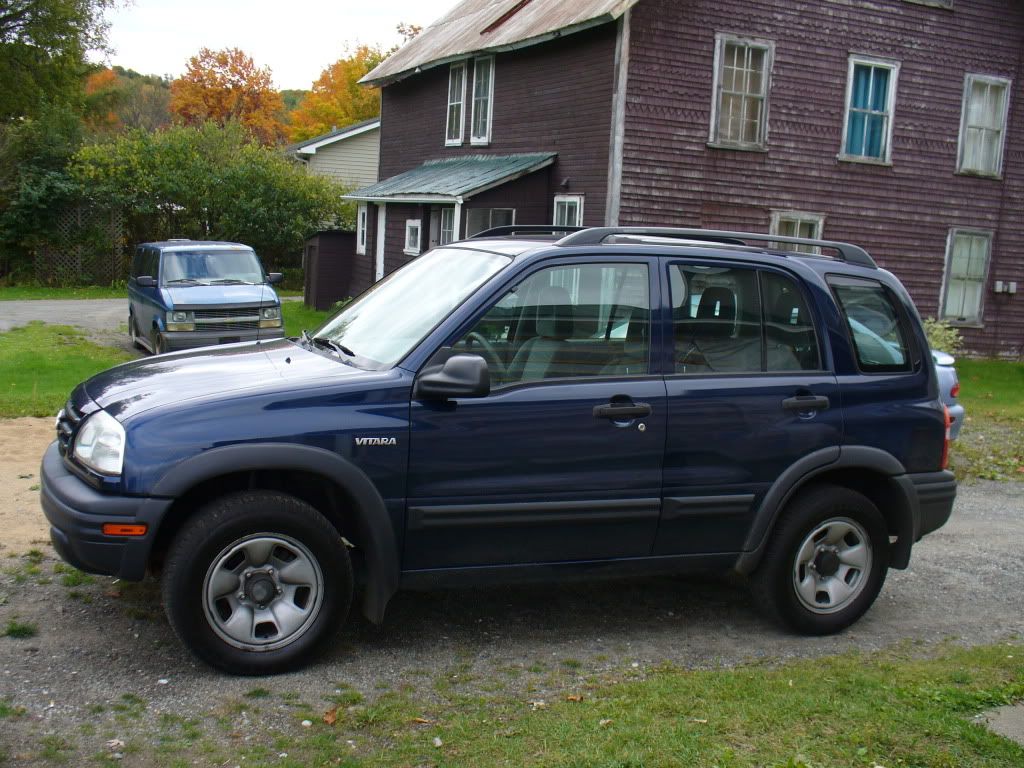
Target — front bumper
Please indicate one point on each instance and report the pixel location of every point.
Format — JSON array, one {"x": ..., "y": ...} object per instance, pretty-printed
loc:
[
  {"x": 77, "y": 512},
  {"x": 178, "y": 340}
]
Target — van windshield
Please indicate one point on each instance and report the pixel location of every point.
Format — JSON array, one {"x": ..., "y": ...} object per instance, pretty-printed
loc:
[
  {"x": 385, "y": 323},
  {"x": 210, "y": 267}
]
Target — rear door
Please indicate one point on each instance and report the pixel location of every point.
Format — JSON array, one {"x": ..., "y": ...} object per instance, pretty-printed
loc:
[{"x": 748, "y": 395}]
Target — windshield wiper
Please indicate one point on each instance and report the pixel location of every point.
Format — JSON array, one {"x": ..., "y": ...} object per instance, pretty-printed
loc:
[
  {"x": 323, "y": 341},
  {"x": 182, "y": 280},
  {"x": 230, "y": 281}
]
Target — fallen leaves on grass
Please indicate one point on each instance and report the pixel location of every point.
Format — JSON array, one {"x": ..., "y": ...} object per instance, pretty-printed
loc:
[{"x": 331, "y": 716}]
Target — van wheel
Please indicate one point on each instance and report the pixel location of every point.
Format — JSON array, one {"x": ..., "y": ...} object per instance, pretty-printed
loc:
[
  {"x": 159, "y": 343},
  {"x": 825, "y": 562},
  {"x": 133, "y": 332},
  {"x": 257, "y": 583}
]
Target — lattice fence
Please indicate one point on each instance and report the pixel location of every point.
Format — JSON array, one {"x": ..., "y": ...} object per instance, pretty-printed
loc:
[{"x": 87, "y": 247}]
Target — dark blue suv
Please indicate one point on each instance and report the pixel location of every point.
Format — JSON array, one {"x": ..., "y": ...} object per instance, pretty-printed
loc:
[{"x": 526, "y": 404}]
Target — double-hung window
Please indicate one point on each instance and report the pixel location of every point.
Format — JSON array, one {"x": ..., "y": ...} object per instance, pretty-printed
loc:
[
  {"x": 983, "y": 125},
  {"x": 456, "y": 103},
  {"x": 967, "y": 256},
  {"x": 798, "y": 224},
  {"x": 447, "y": 225},
  {"x": 483, "y": 100},
  {"x": 870, "y": 101},
  {"x": 361, "y": 228},
  {"x": 568, "y": 210},
  {"x": 739, "y": 115}
]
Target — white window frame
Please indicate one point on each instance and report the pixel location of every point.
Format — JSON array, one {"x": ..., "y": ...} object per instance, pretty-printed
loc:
[
  {"x": 578, "y": 199},
  {"x": 413, "y": 246},
  {"x": 800, "y": 217},
  {"x": 474, "y": 139},
  {"x": 890, "y": 107},
  {"x": 362, "y": 217},
  {"x": 448, "y": 212},
  {"x": 768, "y": 46},
  {"x": 969, "y": 80},
  {"x": 947, "y": 277},
  {"x": 449, "y": 141}
]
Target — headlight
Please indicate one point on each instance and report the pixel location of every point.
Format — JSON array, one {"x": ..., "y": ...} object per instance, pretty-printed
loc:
[
  {"x": 270, "y": 317},
  {"x": 100, "y": 444},
  {"x": 178, "y": 320}
]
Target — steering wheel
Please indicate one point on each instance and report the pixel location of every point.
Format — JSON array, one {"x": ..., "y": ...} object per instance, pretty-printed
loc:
[{"x": 490, "y": 354}]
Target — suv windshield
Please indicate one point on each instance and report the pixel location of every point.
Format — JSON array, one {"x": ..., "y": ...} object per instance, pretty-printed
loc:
[
  {"x": 386, "y": 322},
  {"x": 213, "y": 266}
]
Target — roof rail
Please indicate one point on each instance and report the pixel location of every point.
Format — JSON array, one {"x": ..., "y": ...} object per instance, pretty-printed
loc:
[
  {"x": 853, "y": 254},
  {"x": 525, "y": 229}
]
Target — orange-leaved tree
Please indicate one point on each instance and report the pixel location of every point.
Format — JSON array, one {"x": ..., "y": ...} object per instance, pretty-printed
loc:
[
  {"x": 337, "y": 99},
  {"x": 226, "y": 86}
]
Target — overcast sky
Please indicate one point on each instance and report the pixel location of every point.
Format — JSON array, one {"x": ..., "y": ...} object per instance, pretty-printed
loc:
[{"x": 296, "y": 40}]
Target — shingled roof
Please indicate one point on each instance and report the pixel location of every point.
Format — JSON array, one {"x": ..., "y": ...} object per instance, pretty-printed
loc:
[{"x": 479, "y": 26}]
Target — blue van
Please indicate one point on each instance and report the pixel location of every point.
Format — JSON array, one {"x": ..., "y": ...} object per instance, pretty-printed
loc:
[{"x": 193, "y": 293}]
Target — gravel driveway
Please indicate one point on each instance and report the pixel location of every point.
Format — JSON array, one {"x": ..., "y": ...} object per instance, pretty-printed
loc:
[
  {"x": 102, "y": 643},
  {"x": 90, "y": 314}
]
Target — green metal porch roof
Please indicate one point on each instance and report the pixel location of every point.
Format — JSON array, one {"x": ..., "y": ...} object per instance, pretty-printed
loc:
[{"x": 453, "y": 179}]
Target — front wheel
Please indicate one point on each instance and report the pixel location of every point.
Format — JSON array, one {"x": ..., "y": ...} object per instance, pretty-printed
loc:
[
  {"x": 825, "y": 563},
  {"x": 257, "y": 583}
]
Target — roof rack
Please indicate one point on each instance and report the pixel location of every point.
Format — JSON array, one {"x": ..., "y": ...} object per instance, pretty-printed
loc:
[
  {"x": 853, "y": 254},
  {"x": 525, "y": 229}
]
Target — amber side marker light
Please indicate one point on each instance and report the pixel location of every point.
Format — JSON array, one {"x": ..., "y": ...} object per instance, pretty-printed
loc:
[{"x": 121, "y": 529}]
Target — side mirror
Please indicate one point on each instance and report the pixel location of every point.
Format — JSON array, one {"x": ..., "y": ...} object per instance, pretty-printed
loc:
[
  {"x": 145, "y": 281},
  {"x": 275, "y": 277},
  {"x": 458, "y": 376}
]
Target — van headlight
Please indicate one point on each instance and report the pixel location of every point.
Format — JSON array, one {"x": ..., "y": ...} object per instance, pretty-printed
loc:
[
  {"x": 178, "y": 320},
  {"x": 99, "y": 444},
  {"x": 270, "y": 317}
]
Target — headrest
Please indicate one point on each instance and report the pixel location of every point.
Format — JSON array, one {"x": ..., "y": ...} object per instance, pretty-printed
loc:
[
  {"x": 555, "y": 313},
  {"x": 716, "y": 314}
]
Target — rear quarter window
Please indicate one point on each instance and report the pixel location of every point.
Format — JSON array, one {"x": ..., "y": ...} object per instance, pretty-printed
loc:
[{"x": 877, "y": 326}]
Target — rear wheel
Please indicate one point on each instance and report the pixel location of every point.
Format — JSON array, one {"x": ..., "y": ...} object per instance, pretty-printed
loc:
[
  {"x": 257, "y": 583},
  {"x": 826, "y": 561}
]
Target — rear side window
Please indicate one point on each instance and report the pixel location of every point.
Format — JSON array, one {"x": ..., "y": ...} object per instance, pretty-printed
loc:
[{"x": 879, "y": 336}]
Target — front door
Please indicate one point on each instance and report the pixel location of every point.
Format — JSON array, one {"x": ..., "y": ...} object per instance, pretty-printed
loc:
[
  {"x": 748, "y": 395},
  {"x": 562, "y": 461}
]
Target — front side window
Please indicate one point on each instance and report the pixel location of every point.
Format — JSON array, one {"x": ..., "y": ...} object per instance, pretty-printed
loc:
[
  {"x": 562, "y": 322},
  {"x": 384, "y": 324},
  {"x": 480, "y": 219},
  {"x": 870, "y": 99},
  {"x": 361, "y": 217},
  {"x": 983, "y": 125},
  {"x": 967, "y": 258},
  {"x": 879, "y": 338},
  {"x": 798, "y": 224},
  {"x": 740, "y": 112},
  {"x": 568, "y": 210},
  {"x": 412, "y": 237},
  {"x": 483, "y": 101},
  {"x": 456, "y": 102}
]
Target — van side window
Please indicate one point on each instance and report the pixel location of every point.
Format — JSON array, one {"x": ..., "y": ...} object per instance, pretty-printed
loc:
[{"x": 879, "y": 336}]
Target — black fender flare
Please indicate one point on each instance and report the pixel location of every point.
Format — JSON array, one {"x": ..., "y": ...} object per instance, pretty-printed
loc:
[
  {"x": 804, "y": 470},
  {"x": 375, "y": 532}
]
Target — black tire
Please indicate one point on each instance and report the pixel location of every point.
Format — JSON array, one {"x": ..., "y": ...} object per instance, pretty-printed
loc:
[
  {"x": 251, "y": 519},
  {"x": 133, "y": 332},
  {"x": 159, "y": 344},
  {"x": 827, "y": 508}
]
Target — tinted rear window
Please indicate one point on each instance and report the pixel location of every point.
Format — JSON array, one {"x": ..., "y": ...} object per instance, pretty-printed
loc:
[{"x": 879, "y": 335}]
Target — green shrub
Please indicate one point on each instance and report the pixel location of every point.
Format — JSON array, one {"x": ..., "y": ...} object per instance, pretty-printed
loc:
[{"x": 943, "y": 336}]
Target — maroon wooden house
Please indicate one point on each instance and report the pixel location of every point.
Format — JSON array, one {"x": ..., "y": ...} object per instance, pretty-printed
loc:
[{"x": 894, "y": 124}]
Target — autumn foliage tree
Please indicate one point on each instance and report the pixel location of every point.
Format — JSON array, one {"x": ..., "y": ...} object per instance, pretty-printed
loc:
[
  {"x": 227, "y": 87},
  {"x": 337, "y": 99}
]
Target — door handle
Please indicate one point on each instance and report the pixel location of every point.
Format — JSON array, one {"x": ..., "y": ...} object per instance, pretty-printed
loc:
[
  {"x": 622, "y": 412},
  {"x": 804, "y": 403}
]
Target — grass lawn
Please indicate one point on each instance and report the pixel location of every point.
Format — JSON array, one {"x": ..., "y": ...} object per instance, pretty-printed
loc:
[
  {"x": 297, "y": 316},
  {"x": 991, "y": 444},
  {"x": 883, "y": 709},
  {"x": 21, "y": 292},
  {"x": 40, "y": 365}
]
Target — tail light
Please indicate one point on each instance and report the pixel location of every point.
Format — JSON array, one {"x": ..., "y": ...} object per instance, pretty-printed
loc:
[
  {"x": 944, "y": 464},
  {"x": 955, "y": 391}
]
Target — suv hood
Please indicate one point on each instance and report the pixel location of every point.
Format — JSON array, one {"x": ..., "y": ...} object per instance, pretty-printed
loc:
[
  {"x": 188, "y": 295},
  {"x": 152, "y": 382}
]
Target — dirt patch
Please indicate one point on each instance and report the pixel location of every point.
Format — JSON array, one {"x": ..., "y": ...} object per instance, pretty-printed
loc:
[{"x": 22, "y": 444}]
